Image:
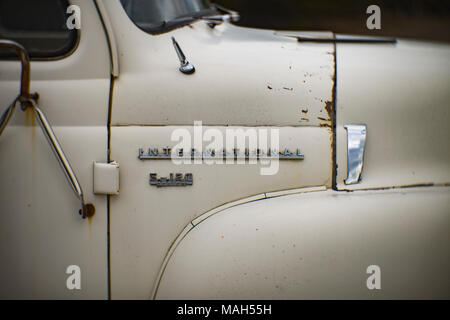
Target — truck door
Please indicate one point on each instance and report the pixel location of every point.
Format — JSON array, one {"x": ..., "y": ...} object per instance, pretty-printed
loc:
[
  {"x": 250, "y": 80},
  {"x": 43, "y": 239}
]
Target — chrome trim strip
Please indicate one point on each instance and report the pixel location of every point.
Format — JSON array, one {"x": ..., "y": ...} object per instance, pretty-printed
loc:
[
  {"x": 356, "y": 141},
  {"x": 59, "y": 153}
]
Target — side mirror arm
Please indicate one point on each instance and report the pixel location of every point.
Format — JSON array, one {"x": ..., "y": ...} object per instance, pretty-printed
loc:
[{"x": 29, "y": 100}]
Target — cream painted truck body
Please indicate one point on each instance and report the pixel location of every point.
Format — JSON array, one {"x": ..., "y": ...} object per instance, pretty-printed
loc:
[{"x": 234, "y": 233}]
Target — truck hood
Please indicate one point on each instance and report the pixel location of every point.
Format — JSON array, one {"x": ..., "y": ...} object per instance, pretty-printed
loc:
[{"x": 243, "y": 77}]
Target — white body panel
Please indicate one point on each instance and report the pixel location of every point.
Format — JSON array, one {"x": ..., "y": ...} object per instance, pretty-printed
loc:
[
  {"x": 400, "y": 92},
  {"x": 244, "y": 77},
  {"x": 41, "y": 233},
  {"x": 221, "y": 237},
  {"x": 145, "y": 219},
  {"x": 317, "y": 246},
  {"x": 236, "y": 67}
]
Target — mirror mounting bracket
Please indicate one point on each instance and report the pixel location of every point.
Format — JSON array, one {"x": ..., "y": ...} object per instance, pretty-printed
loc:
[{"x": 29, "y": 100}]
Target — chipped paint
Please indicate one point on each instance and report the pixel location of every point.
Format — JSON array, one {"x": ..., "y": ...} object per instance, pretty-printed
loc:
[
  {"x": 330, "y": 110},
  {"x": 272, "y": 94}
]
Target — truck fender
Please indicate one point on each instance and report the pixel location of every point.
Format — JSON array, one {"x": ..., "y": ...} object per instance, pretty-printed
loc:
[{"x": 317, "y": 245}]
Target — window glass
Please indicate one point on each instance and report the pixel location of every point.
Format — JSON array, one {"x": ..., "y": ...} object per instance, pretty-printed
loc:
[
  {"x": 39, "y": 26},
  {"x": 156, "y": 16}
]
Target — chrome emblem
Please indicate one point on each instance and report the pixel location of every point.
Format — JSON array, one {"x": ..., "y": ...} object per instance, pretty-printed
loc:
[
  {"x": 177, "y": 180},
  {"x": 166, "y": 154}
]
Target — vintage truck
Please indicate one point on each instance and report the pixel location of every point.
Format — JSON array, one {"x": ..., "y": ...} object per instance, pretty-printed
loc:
[{"x": 358, "y": 205}]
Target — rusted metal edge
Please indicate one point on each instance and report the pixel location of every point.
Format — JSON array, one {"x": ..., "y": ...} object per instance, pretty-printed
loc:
[
  {"x": 347, "y": 40},
  {"x": 25, "y": 77},
  {"x": 398, "y": 187},
  {"x": 331, "y": 109},
  {"x": 333, "y": 39}
]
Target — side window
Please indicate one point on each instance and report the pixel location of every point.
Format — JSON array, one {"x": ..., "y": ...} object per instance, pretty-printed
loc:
[{"x": 39, "y": 26}]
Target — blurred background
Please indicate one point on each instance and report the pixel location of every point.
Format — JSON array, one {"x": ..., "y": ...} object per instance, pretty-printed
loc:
[{"x": 419, "y": 19}]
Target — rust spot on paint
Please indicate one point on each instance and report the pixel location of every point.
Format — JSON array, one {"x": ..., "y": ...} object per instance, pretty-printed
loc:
[
  {"x": 305, "y": 119},
  {"x": 329, "y": 109},
  {"x": 305, "y": 111},
  {"x": 289, "y": 89},
  {"x": 417, "y": 185},
  {"x": 269, "y": 87},
  {"x": 30, "y": 117},
  {"x": 323, "y": 119}
]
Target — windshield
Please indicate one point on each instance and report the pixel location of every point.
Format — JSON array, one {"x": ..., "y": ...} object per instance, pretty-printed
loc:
[{"x": 153, "y": 15}]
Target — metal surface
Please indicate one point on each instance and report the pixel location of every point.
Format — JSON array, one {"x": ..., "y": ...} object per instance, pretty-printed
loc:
[
  {"x": 106, "y": 178},
  {"x": 316, "y": 245},
  {"x": 185, "y": 66},
  {"x": 350, "y": 39},
  {"x": 137, "y": 256},
  {"x": 112, "y": 43},
  {"x": 213, "y": 21},
  {"x": 401, "y": 94},
  {"x": 297, "y": 76},
  {"x": 230, "y": 91},
  {"x": 25, "y": 73},
  {"x": 24, "y": 94},
  {"x": 356, "y": 141},
  {"x": 233, "y": 15},
  {"x": 86, "y": 210},
  {"x": 7, "y": 115},
  {"x": 40, "y": 228},
  {"x": 27, "y": 100}
]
